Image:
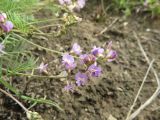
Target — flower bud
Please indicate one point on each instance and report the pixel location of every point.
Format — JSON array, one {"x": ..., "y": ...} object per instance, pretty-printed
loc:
[
  {"x": 111, "y": 56},
  {"x": 7, "y": 27},
  {"x": 87, "y": 59}
]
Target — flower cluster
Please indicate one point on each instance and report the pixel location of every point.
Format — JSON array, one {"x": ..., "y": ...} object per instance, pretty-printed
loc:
[
  {"x": 87, "y": 64},
  {"x": 5, "y": 25},
  {"x": 72, "y": 6}
]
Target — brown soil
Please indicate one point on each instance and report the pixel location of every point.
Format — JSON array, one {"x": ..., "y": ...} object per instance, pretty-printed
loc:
[{"x": 114, "y": 92}]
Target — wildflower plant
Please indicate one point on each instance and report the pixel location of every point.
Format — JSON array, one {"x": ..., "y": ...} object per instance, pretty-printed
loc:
[
  {"x": 72, "y": 5},
  {"x": 87, "y": 64},
  {"x": 16, "y": 23},
  {"x": 127, "y": 7},
  {"x": 69, "y": 9}
]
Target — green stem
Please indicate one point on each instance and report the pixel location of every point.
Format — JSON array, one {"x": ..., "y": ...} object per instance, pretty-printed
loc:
[
  {"x": 30, "y": 75},
  {"x": 40, "y": 100},
  {"x": 38, "y": 76},
  {"x": 47, "y": 20},
  {"x": 52, "y": 25},
  {"x": 37, "y": 100},
  {"x": 18, "y": 52},
  {"x": 47, "y": 49}
]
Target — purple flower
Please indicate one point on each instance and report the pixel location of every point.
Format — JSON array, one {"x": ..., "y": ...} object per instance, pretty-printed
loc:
[
  {"x": 81, "y": 78},
  {"x": 67, "y": 2},
  {"x": 87, "y": 59},
  {"x": 80, "y": 4},
  {"x": 97, "y": 51},
  {"x": 70, "y": 66},
  {"x": 7, "y": 27},
  {"x": 1, "y": 48},
  {"x": 68, "y": 61},
  {"x": 94, "y": 70},
  {"x": 111, "y": 56},
  {"x": 42, "y": 67},
  {"x": 3, "y": 17},
  {"x": 76, "y": 49},
  {"x": 82, "y": 58},
  {"x": 69, "y": 87},
  {"x": 109, "y": 46}
]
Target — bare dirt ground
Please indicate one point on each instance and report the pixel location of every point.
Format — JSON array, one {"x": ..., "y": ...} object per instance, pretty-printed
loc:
[{"x": 113, "y": 93}]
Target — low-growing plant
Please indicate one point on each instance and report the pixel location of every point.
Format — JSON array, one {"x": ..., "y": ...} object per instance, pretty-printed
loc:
[
  {"x": 16, "y": 20},
  {"x": 17, "y": 23},
  {"x": 127, "y": 6}
]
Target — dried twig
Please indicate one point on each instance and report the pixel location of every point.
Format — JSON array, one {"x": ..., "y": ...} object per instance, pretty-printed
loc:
[
  {"x": 30, "y": 115},
  {"x": 106, "y": 28},
  {"x": 145, "y": 55},
  {"x": 19, "y": 103},
  {"x": 155, "y": 94},
  {"x": 143, "y": 106},
  {"x": 135, "y": 100}
]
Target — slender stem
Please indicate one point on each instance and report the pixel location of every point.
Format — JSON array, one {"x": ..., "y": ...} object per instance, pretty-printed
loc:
[
  {"x": 135, "y": 100},
  {"x": 52, "y": 25},
  {"x": 31, "y": 75},
  {"x": 18, "y": 52},
  {"x": 47, "y": 20},
  {"x": 47, "y": 49},
  {"x": 143, "y": 106},
  {"x": 102, "y": 4},
  {"x": 146, "y": 57},
  {"x": 19, "y": 103},
  {"x": 106, "y": 28},
  {"x": 38, "y": 30},
  {"x": 156, "y": 93}
]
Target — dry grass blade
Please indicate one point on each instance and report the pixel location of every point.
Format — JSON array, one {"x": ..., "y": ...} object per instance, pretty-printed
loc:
[
  {"x": 155, "y": 94},
  {"x": 145, "y": 55},
  {"x": 106, "y": 28},
  {"x": 30, "y": 115},
  {"x": 143, "y": 106},
  {"x": 19, "y": 103},
  {"x": 144, "y": 79}
]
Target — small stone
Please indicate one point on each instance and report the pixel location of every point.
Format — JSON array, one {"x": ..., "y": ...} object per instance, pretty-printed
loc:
[
  {"x": 119, "y": 89},
  {"x": 125, "y": 24},
  {"x": 86, "y": 109},
  {"x": 148, "y": 30},
  {"x": 111, "y": 117}
]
